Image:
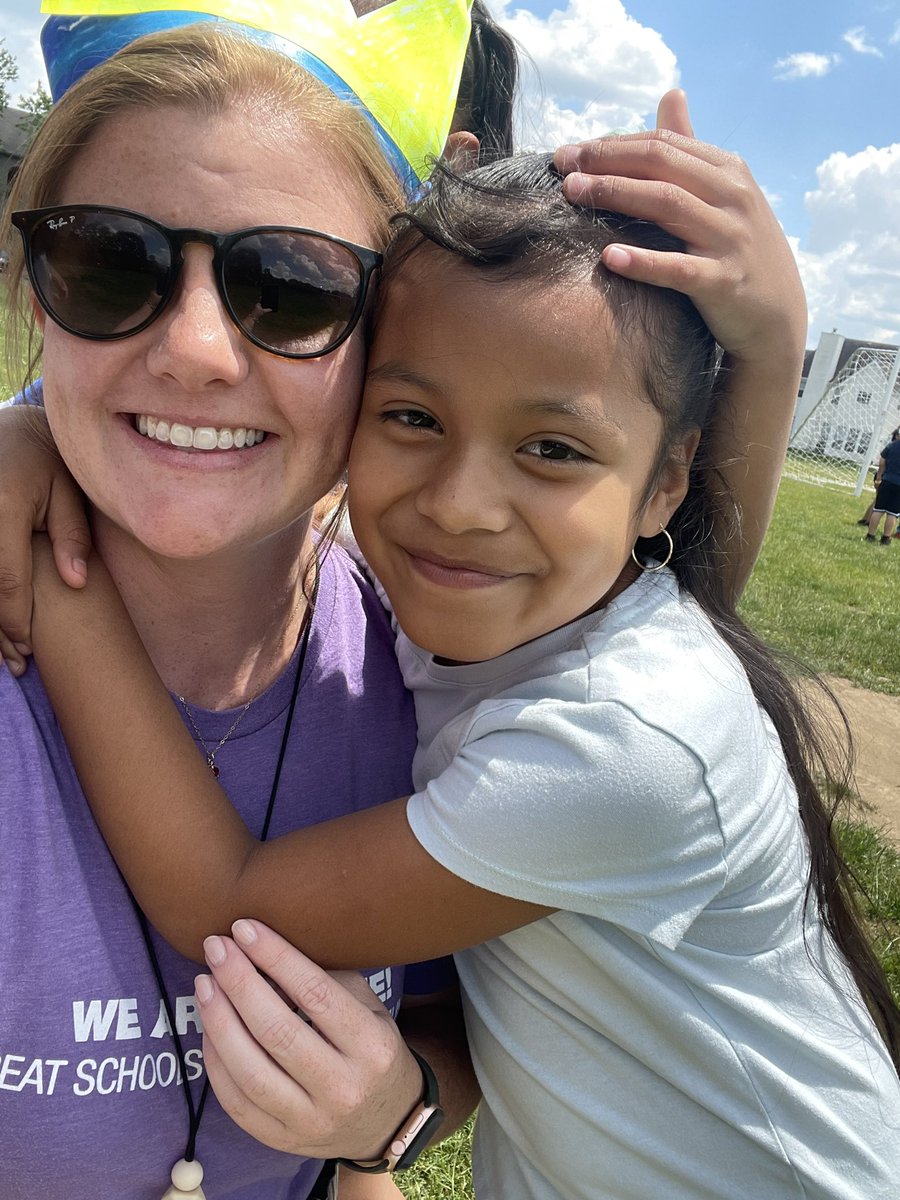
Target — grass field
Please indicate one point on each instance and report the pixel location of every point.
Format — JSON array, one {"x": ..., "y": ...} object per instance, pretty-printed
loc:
[
  {"x": 823, "y": 593},
  {"x": 6, "y": 383},
  {"x": 12, "y": 374}
]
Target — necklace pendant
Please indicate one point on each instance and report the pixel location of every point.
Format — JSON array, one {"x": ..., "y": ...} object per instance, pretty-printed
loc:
[
  {"x": 211, "y": 763},
  {"x": 186, "y": 1180}
]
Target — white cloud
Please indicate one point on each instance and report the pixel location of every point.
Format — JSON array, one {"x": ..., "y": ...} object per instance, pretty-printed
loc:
[
  {"x": 593, "y": 68},
  {"x": 851, "y": 263},
  {"x": 856, "y": 40},
  {"x": 894, "y": 39},
  {"x": 805, "y": 64}
]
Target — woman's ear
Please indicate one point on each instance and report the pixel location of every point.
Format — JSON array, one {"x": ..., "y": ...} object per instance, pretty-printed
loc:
[
  {"x": 461, "y": 151},
  {"x": 671, "y": 486}
]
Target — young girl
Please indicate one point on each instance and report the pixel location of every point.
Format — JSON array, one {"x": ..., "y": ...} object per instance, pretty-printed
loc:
[{"x": 616, "y": 826}]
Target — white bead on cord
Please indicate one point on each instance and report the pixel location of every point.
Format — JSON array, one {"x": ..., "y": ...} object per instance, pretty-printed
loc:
[{"x": 186, "y": 1180}]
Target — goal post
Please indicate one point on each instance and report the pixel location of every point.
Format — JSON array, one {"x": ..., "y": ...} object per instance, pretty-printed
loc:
[{"x": 849, "y": 406}]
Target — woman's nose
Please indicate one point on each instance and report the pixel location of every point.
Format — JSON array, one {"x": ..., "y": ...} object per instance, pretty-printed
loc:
[{"x": 195, "y": 342}]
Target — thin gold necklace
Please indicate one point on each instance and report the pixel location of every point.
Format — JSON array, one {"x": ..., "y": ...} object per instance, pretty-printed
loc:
[{"x": 245, "y": 708}]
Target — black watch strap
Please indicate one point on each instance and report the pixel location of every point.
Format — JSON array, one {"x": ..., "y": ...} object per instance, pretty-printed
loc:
[
  {"x": 323, "y": 1188},
  {"x": 413, "y": 1135}
]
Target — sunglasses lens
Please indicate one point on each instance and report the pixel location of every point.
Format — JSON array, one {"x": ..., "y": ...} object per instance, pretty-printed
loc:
[
  {"x": 101, "y": 274},
  {"x": 294, "y": 293}
]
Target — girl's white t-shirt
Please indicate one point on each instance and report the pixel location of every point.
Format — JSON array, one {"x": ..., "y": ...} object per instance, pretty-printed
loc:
[{"x": 678, "y": 1030}]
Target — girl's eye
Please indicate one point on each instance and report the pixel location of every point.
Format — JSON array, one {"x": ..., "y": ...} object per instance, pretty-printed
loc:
[
  {"x": 414, "y": 418},
  {"x": 549, "y": 451}
]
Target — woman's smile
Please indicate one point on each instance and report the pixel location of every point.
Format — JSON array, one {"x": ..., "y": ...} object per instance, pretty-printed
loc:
[{"x": 199, "y": 436}]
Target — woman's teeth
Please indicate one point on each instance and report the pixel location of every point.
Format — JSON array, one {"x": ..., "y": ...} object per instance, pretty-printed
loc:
[{"x": 204, "y": 437}]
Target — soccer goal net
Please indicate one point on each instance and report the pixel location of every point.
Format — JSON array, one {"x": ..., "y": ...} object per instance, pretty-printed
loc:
[{"x": 843, "y": 432}]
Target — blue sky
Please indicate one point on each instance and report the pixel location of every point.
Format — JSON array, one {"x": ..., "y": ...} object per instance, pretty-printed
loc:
[
  {"x": 807, "y": 92},
  {"x": 784, "y": 127}
]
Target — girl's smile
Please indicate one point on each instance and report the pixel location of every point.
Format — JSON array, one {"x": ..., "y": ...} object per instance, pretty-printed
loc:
[
  {"x": 450, "y": 573},
  {"x": 494, "y": 503}
]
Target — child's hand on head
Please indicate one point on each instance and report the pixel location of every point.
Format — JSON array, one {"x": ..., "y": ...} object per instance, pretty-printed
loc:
[
  {"x": 36, "y": 493},
  {"x": 737, "y": 267}
]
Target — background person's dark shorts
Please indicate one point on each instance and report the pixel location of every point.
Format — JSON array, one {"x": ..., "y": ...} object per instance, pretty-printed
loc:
[{"x": 887, "y": 498}]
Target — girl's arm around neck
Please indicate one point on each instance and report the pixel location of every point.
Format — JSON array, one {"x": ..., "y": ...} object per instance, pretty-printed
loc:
[{"x": 192, "y": 864}]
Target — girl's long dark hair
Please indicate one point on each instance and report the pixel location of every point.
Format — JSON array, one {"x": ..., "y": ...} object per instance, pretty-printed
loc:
[
  {"x": 487, "y": 89},
  {"x": 511, "y": 220}
]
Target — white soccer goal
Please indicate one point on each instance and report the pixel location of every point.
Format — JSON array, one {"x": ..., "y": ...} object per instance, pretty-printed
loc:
[{"x": 844, "y": 421}]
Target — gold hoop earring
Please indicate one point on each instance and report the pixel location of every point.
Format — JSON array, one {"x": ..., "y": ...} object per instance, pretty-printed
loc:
[{"x": 666, "y": 560}]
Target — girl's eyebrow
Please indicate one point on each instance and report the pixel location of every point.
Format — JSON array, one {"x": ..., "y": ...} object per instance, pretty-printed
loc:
[
  {"x": 588, "y": 413},
  {"x": 396, "y": 373}
]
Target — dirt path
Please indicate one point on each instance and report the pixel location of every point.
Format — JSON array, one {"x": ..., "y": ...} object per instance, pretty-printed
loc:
[{"x": 875, "y": 721}]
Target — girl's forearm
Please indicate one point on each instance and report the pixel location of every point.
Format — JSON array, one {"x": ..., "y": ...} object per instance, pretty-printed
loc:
[
  {"x": 750, "y": 440},
  {"x": 96, "y": 670},
  {"x": 191, "y": 862}
]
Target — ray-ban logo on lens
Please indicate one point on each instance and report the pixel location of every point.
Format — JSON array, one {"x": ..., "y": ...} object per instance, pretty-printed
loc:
[{"x": 61, "y": 223}]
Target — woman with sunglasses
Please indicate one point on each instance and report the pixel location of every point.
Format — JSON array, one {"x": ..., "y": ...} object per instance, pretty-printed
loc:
[{"x": 202, "y": 268}]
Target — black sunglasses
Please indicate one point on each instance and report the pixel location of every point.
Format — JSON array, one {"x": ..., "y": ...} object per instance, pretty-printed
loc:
[{"x": 105, "y": 273}]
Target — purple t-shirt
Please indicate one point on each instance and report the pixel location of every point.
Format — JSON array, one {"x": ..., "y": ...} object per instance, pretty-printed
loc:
[{"x": 90, "y": 1104}]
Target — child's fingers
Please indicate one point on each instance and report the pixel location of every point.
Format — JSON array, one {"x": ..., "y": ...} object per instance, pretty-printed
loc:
[
  {"x": 740, "y": 314},
  {"x": 64, "y": 518},
  {"x": 16, "y": 594},
  {"x": 672, "y": 113},
  {"x": 14, "y": 656},
  {"x": 704, "y": 227},
  {"x": 663, "y": 268},
  {"x": 652, "y": 154},
  {"x": 69, "y": 532},
  {"x": 707, "y": 185}
]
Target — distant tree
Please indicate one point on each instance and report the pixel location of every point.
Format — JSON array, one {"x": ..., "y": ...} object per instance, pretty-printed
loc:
[
  {"x": 9, "y": 73},
  {"x": 35, "y": 107}
]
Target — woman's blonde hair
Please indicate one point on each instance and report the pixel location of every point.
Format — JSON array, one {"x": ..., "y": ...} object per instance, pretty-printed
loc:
[{"x": 204, "y": 69}]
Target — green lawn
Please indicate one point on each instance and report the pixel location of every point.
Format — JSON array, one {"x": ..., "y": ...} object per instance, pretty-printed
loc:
[
  {"x": 443, "y": 1173},
  {"x": 876, "y": 864},
  {"x": 5, "y": 385},
  {"x": 823, "y": 593},
  {"x": 12, "y": 374}
]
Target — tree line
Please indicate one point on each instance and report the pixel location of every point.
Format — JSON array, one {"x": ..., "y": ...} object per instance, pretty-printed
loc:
[{"x": 35, "y": 105}]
